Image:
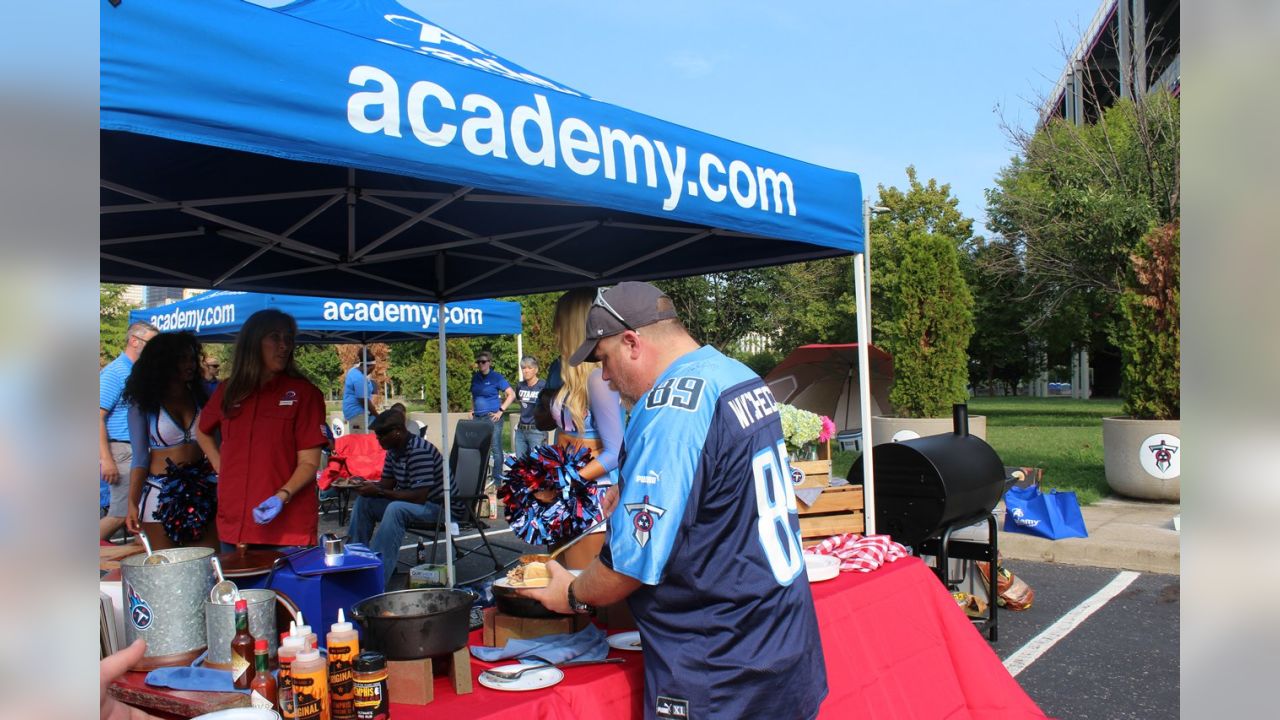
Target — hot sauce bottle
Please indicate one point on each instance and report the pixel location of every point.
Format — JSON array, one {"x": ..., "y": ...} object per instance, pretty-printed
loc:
[
  {"x": 242, "y": 648},
  {"x": 262, "y": 691},
  {"x": 343, "y": 644}
]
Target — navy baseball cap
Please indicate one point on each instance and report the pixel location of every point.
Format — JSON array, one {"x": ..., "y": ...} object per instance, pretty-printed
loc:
[{"x": 625, "y": 306}]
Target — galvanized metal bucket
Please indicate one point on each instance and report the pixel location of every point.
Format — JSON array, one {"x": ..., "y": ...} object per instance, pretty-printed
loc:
[
  {"x": 220, "y": 625},
  {"x": 164, "y": 604}
]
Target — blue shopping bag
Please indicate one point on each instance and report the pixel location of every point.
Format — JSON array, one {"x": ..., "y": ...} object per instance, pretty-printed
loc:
[{"x": 1055, "y": 515}]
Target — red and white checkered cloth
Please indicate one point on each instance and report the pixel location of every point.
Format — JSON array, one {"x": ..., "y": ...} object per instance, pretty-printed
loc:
[{"x": 858, "y": 553}]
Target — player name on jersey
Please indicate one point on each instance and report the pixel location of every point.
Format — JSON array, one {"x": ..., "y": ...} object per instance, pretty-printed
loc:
[{"x": 753, "y": 406}]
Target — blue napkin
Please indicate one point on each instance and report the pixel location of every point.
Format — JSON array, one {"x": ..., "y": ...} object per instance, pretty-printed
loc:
[
  {"x": 587, "y": 644},
  {"x": 193, "y": 678}
]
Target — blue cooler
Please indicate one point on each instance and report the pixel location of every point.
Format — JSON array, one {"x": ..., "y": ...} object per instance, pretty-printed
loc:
[{"x": 319, "y": 589}]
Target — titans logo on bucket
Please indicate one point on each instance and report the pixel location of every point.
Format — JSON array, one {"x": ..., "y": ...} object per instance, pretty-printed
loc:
[{"x": 139, "y": 610}]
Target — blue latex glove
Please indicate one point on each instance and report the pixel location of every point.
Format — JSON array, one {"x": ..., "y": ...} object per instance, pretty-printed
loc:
[{"x": 267, "y": 510}]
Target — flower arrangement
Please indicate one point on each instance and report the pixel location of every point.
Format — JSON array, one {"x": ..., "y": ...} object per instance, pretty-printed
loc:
[{"x": 799, "y": 427}]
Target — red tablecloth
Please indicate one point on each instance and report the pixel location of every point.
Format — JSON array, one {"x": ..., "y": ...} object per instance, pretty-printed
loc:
[{"x": 895, "y": 643}]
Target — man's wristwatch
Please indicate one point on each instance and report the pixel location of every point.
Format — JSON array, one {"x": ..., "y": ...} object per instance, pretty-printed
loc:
[{"x": 578, "y": 606}]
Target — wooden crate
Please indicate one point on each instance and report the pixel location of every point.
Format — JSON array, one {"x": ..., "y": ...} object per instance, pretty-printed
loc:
[
  {"x": 817, "y": 473},
  {"x": 836, "y": 511}
]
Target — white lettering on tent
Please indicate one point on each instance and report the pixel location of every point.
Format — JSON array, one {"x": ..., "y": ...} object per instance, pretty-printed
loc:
[
  {"x": 715, "y": 193},
  {"x": 485, "y": 133},
  {"x": 577, "y": 136},
  {"x": 362, "y": 313},
  {"x": 330, "y": 310},
  {"x": 541, "y": 118},
  {"x": 673, "y": 172},
  {"x": 491, "y": 123},
  {"x": 377, "y": 312},
  {"x": 344, "y": 311},
  {"x": 429, "y": 316},
  {"x": 778, "y": 181},
  {"x": 629, "y": 143},
  {"x": 737, "y": 171},
  {"x": 418, "y": 95},
  {"x": 393, "y": 313},
  {"x": 387, "y": 98}
]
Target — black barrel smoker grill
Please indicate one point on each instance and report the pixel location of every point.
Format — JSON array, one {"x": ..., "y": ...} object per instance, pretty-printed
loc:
[{"x": 927, "y": 488}]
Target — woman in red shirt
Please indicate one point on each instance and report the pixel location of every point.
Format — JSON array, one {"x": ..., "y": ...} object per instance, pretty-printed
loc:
[{"x": 270, "y": 420}]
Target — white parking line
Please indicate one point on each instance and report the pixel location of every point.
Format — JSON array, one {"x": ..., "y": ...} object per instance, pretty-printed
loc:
[
  {"x": 1038, "y": 645},
  {"x": 472, "y": 536}
]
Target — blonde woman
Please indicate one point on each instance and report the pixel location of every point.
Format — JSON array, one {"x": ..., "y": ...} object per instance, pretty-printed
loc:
[{"x": 587, "y": 412}]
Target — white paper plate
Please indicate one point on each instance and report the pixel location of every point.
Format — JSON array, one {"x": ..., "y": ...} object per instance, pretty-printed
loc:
[
  {"x": 242, "y": 713},
  {"x": 821, "y": 567},
  {"x": 532, "y": 680},
  {"x": 625, "y": 641}
]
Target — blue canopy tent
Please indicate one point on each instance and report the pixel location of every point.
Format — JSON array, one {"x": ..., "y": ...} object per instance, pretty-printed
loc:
[{"x": 354, "y": 146}]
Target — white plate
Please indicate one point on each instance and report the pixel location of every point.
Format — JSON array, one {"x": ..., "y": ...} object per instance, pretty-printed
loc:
[
  {"x": 532, "y": 680},
  {"x": 625, "y": 641},
  {"x": 821, "y": 567}
]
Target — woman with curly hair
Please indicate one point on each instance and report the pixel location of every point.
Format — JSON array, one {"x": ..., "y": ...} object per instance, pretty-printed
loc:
[
  {"x": 271, "y": 420},
  {"x": 172, "y": 488}
]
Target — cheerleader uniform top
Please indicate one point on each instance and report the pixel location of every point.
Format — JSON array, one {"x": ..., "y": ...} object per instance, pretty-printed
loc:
[
  {"x": 156, "y": 431},
  {"x": 603, "y": 423}
]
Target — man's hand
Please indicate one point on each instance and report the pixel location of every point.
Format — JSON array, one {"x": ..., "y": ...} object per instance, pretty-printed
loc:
[
  {"x": 369, "y": 489},
  {"x": 112, "y": 667},
  {"x": 610, "y": 500},
  {"x": 496, "y": 415},
  {"x": 107, "y": 464},
  {"x": 555, "y": 596}
]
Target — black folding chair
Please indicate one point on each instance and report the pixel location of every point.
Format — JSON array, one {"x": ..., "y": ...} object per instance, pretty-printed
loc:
[{"x": 469, "y": 470}]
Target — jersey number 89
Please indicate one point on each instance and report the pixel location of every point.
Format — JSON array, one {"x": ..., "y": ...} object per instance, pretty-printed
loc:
[{"x": 775, "y": 501}]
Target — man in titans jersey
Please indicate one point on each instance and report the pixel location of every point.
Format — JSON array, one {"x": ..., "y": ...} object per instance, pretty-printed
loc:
[{"x": 704, "y": 542}]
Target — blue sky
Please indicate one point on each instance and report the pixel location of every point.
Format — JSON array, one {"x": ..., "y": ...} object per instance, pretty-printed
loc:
[
  {"x": 866, "y": 87},
  {"x": 859, "y": 86}
]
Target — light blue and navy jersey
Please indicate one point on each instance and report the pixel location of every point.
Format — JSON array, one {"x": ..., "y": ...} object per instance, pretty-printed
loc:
[{"x": 707, "y": 521}]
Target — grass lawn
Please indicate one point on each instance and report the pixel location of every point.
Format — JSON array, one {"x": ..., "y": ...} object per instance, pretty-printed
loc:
[{"x": 1061, "y": 435}]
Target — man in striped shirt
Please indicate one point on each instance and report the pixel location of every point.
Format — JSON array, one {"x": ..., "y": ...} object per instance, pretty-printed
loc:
[{"x": 411, "y": 490}]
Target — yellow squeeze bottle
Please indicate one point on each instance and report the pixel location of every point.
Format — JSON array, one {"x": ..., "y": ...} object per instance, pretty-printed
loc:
[
  {"x": 343, "y": 644},
  {"x": 309, "y": 676}
]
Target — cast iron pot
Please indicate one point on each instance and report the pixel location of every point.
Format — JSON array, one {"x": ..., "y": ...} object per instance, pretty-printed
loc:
[{"x": 415, "y": 624}]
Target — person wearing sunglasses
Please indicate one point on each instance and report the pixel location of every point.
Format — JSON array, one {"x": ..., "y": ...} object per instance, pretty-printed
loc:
[
  {"x": 209, "y": 374},
  {"x": 704, "y": 474},
  {"x": 491, "y": 395}
]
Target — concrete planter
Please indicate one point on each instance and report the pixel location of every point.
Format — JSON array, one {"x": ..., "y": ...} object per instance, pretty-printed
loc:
[
  {"x": 884, "y": 428},
  {"x": 1143, "y": 458}
]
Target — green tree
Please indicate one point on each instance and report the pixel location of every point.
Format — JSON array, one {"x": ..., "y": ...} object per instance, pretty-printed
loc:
[
  {"x": 928, "y": 323},
  {"x": 1075, "y": 205},
  {"x": 113, "y": 321},
  {"x": 1152, "y": 332},
  {"x": 1002, "y": 349},
  {"x": 924, "y": 207},
  {"x": 321, "y": 365}
]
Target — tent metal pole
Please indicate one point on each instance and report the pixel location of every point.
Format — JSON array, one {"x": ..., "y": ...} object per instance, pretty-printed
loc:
[
  {"x": 444, "y": 447},
  {"x": 864, "y": 389}
]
